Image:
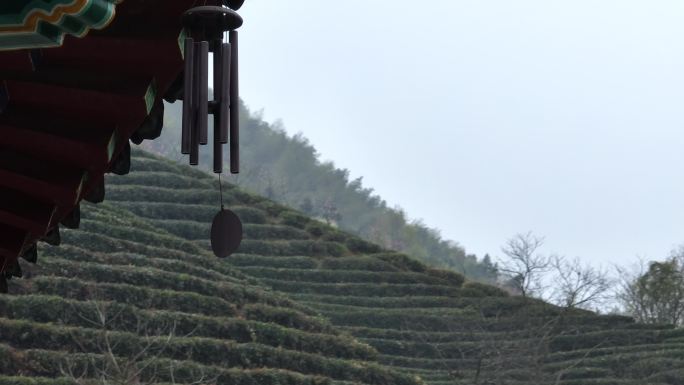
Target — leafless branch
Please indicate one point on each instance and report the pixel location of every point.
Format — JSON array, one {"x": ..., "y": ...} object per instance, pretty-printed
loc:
[
  {"x": 524, "y": 266},
  {"x": 577, "y": 285}
]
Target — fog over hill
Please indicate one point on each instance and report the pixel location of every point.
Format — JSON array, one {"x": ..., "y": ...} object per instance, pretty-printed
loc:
[{"x": 288, "y": 169}]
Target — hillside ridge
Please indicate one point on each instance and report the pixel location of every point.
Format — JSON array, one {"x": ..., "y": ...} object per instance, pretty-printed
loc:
[
  {"x": 288, "y": 169},
  {"x": 227, "y": 327},
  {"x": 434, "y": 323},
  {"x": 301, "y": 302}
]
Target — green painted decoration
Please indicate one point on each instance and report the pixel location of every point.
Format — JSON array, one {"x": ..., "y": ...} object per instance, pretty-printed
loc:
[{"x": 44, "y": 23}]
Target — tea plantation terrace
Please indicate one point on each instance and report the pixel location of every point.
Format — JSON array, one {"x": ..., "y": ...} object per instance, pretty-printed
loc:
[
  {"x": 300, "y": 303},
  {"x": 149, "y": 284}
]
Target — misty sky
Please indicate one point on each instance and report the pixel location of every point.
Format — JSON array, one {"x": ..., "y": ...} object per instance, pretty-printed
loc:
[{"x": 485, "y": 118}]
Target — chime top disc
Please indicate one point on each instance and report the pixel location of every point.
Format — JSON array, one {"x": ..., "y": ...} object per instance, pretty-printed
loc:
[
  {"x": 212, "y": 18},
  {"x": 226, "y": 233},
  {"x": 234, "y": 4}
]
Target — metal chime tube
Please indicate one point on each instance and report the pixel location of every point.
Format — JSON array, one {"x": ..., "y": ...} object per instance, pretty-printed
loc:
[
  {"x": 206, "y": 26},
  {"x": 203, "y": 102},
  {"x": 234, "y": 105},
  {"x": 218, "y": 102},
  {"x": 194, "y": 132},
  {"x": 224, "y": 108},
  {"x": 187, "y": 102}
]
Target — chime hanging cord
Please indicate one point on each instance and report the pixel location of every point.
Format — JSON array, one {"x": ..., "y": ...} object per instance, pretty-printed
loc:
[
  {"x": 221, "y": 191},
  {"x": 225, "y": 36}
]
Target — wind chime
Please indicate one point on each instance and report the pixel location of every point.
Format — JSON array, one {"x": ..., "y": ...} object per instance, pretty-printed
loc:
[{"x": 206, "y": 28}]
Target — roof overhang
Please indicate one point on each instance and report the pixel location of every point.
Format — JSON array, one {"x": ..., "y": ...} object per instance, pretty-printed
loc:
[
  {"x": 67, "y": 113},
  {"x": 45, "y": 23}
]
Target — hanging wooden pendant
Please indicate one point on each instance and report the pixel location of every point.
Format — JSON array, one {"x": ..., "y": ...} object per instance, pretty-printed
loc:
[{"x": 226, "y": 233}]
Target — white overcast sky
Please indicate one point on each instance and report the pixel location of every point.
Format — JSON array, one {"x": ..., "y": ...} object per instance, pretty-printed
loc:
[{"x": 486, "y": 118}]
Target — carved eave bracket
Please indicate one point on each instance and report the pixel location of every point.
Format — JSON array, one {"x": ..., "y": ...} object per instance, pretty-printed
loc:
[{"x": 41, "y": 24}]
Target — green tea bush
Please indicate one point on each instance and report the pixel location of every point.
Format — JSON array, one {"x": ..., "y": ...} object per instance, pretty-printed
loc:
[
  {"x": 165, "y": 210},
  {"x": 262, "y": 324},
  {"x": 486, "y": 306},
  {"x": 165, "y": 259},
  {"x": 143, "y": 297},
  {"x": 111, "y": 214},
  {"x": 138, "y": 235},
  {"x": 271, "y": 208},
  {"x": 159, "y": 279},
  {"x": 274, "y": 232},
  {"x": 361, "y": 289},
  {"x": 448, "y": 276},
  {"x": 335, "y": 235},
  {"x": 164, "y": 179},
  {"x": 200, "y": 267},
  {"x": 583, "y": 372},
  {"x": 168, "y": 195},
  {"x": 29, "y": 335},
  {"x": 286, "y": 317},
  {"x": 295, "y": 219},
  {"x": 292, "y": 248},
  {"x": 421, "y": 334},
  {"x": 358, "y": 245},
  {"x": 363, "y": 263},
  {"x": 249, "y": 214},
  {"x": 402, "y": 261},
  {"x": 454, "y": 364},
  {"x": 4, "y": 380},
  {"x": 316, "y": 229},
  {"x": 47, "y": 363},
  {"x": 337, "y": 276},
  {"x": 477, "y": 289},
  {"x": 394, "y": 320},
  {"x": 185, "y": 229},
  {"x": 246, "y": 260},
  {"x": 147, "y": 164}
]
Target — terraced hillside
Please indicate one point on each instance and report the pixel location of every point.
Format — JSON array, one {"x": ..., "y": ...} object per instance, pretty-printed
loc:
[
  {"x": 123, "y": 302},
  {"x": 422, "y": 322},
  {"x": 135, "y": 294}
]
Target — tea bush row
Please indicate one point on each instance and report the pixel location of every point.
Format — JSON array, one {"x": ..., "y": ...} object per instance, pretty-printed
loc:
[
  {"x": 164, "y": 179},
  {"x": 226, "y": 353},
  {"x": 194, "y": 212},
  {"x": 292, "y": 248},
  {"x": 46, "y": 363},
  {"x": 339, "y": 276},
  {"x": 55, "y": 309},
  {"x": 142, "y": 297},
  {"x": 500, "y": 304},
  {"x": 362, "y": 289},
  {"x": 191, "y": 267},
  {"x": 250, "y": 260},
  {"x": 160, "y": 279},
  {"x": 168, "y": 195},
  {"x": 134, "y": 234},
  {"x": 127, "y": 317},
  {"x": 164, "y": 259}
]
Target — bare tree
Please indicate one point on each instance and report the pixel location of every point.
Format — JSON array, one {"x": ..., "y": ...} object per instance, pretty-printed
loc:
[
  {"x": 577, "y": 285},
  {"x": 496, "y": 355},
  {"x": 137, "y": 367},
  {"x": 524, "y": 266}
]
